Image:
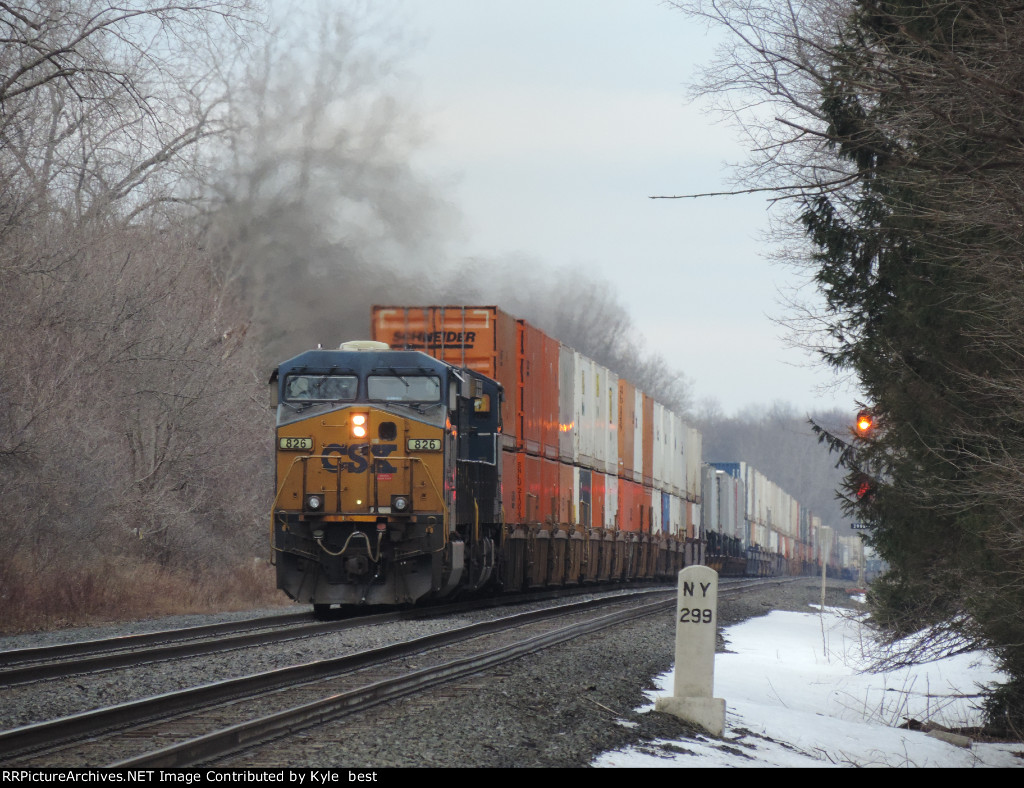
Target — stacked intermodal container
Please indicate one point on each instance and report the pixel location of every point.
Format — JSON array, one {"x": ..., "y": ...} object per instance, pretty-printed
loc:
[
  {"x": 584, "y": 450},
  {"x": 765, "y": 520}
]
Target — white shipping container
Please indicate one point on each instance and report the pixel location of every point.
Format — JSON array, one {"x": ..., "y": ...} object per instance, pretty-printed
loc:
[
  {"x": 611, "y": 500},
  {"x": 694, "y": 454},
  {"x": 740, "y": 529},
  {"x": 669, "y": 455},
  {"x": 658, "y": 453},
  {"x": 726, "y": 504},
  {"x": 662, "y": 448},
  {"x": 677, "y": 514},
  {"x": 610, "y": 427},
  {"x": 753, "y": 486},
  {"x": 726, "y": 491},
  {"x": 577, "y": 515},
  {"x": 679, "y": 436},
  {"x": 686, "y": 438},
  {"x": 586, "y": 413},
  {"x": 709, "y": 514},
  {"x": 759, "y": 511},
  {"x": 673, "y": 453},
  {"x": 597, "y": 387},
  {"x": 657, "y": 524}
]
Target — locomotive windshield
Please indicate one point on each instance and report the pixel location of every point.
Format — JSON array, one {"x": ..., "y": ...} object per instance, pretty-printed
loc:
[
  {"x": 404, "y": 388},
  {"x": 320, "y": 388}
]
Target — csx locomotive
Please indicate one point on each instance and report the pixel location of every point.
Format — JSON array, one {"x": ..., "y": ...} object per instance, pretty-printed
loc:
[{"x": 388, "y": 485}]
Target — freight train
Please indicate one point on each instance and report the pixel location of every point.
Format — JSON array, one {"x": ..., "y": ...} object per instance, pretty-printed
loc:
[{"x": 463, "y": 450}]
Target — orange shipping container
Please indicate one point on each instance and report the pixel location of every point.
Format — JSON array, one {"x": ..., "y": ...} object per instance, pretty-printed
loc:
[
  {"x": 633, "y": 506},
  {"x": 627, "y": 427},
  {"x": 535, "y": 497},
  {"x": 550, "y": 422},
  {"x": 539, "y": 392},
  {"x": 483, "y": 339},
  {"x": 566, "y": 510},
  {"x": 540, "y": 504},
  {"x": 597, "y": 499},
  {"x": 512, "y": 486},
  {"x": 550, "y": 489},
  {"x": 648, "y": 448}
]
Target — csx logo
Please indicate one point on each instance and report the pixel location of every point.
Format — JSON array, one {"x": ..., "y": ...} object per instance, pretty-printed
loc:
[{"x": 358, "y": 455}]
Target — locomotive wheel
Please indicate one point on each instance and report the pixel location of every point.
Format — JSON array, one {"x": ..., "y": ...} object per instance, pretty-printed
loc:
[{"x": 322, "y": 612}]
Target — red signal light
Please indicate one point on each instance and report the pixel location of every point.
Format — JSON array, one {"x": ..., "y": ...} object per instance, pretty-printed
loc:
[{"x": 864, "y": 487}]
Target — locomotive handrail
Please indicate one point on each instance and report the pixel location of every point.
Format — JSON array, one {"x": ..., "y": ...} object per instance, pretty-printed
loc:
[
  {"x": 304, "y": 458},
  {"x": 277, "y": 496},
  {"x": 430, "y": 478}
]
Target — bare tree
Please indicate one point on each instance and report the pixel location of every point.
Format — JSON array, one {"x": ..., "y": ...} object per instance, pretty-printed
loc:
[
  {"x": 316, "y": 208},
  {"x": 98, "y": 100},
  {"x": 119, "y": 339}
]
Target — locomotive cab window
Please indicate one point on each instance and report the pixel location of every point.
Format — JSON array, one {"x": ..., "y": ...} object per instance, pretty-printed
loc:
[
  {"x": 404, "y": 388},
  {"x": 320, "y": 388}
]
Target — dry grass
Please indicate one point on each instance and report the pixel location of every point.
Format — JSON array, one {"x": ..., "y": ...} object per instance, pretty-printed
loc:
[{"x": 34, "y": 600}]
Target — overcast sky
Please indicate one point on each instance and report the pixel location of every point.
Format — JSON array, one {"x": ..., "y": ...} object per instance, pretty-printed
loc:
[{"x": 554, "y": 121}]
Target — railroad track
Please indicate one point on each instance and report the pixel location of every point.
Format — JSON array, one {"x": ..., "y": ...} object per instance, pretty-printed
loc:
[
  {"x": 200, "y": 724},
  {"x": 237, "y": 710},
  {"x": 20, "y": 666},
  {"x": 65, "y": 659}
]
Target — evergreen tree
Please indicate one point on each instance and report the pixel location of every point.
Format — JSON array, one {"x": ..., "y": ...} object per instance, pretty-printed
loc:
[{"x": 910, "y": 124}]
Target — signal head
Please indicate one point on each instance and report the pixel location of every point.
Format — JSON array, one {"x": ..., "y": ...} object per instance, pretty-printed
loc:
[{"x": 865, "y": 423}]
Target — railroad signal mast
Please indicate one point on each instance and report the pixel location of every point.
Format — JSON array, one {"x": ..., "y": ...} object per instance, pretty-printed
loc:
[
  {"x": 864, "y": 428},
  {"x": 865, "y": 425},
  {"x": 865, "y": 486}
]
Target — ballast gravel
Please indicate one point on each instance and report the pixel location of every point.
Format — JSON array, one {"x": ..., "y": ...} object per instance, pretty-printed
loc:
[{"x": 558, "y": 708}]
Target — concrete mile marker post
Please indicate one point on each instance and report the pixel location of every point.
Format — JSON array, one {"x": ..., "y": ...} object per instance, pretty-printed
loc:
[{"x": 696, "y": 626}]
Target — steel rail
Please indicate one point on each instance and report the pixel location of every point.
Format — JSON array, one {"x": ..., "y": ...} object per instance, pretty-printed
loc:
[
  {"x": 191, "y": 648},
  {"x": 247, "y": 734},
  {"x": 124, "y": 642},
  {"x": 18, "y": 741},
  {"x": 111, "y": 653}
]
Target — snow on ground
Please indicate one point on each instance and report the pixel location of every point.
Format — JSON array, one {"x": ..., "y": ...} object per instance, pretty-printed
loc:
[{"x": 795, "y": 696}]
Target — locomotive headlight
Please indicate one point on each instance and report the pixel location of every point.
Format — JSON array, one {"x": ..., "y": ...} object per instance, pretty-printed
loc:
[
  {"x": 359, "y": 425},
  {"x": 314, "y": 503}
]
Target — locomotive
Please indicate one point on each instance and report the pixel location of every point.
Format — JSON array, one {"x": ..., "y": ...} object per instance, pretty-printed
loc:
[
  {"x": 469, "y": 452},
  {"x": 388, "y": 489}
]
